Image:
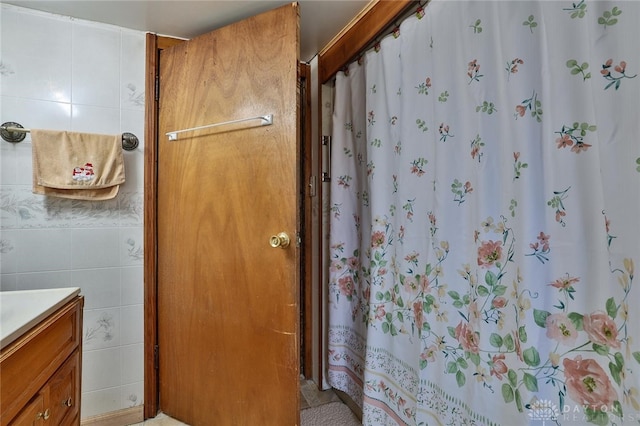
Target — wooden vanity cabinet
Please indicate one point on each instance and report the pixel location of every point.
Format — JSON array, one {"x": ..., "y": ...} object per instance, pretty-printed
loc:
[{"x": 40, "y": 372}]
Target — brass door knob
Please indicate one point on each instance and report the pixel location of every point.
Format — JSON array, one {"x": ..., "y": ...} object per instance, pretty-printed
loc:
[
  {"x": 281, "y": 240},
  {"x": 44, "y": 415},
  {"x": 68, "y": 402}
]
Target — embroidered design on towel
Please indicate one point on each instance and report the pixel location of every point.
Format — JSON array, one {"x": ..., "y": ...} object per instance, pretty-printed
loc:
[{"x": 84, "y": 173}]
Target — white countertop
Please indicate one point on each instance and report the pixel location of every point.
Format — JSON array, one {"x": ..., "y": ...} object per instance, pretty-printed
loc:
[{"x": 21, "y": 310}]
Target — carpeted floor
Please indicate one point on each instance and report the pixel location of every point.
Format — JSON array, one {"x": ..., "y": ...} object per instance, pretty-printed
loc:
[{"x": 331, "y": 414}]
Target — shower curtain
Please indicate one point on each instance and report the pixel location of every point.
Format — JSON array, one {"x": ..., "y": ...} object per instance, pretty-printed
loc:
[{"x": 484, "y": 217}]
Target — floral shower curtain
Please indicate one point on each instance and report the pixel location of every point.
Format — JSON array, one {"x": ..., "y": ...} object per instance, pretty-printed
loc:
[{"x": 484, "y": 206}]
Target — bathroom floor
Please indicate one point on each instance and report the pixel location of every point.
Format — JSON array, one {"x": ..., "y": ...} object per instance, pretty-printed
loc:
[{"x": 310, "y": 396}]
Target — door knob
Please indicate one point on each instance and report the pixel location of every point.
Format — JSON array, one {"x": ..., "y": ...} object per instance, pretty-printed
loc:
[{"x": 281, "y": 240}]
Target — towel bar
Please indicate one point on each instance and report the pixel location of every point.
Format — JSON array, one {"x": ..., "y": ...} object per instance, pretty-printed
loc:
[
  {"x": 267, "y": 120},
  {"x": 14, "y": 133}
]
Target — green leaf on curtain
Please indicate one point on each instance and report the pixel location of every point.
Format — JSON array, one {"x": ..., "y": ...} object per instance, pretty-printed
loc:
[
  {"x": 379, "y": 295},
  {"x": 636, "y": 355},
  {"x": 460, "y": 378},
  {"x": 452, "y": 367},
  {"x": 612, "y": 308},
  {"x": 617, "y": 408},
  {"x": 530, "y": 382},
  {"x": 495, "y": 340},
  {"x": 393, "y": 330},
  {"x": 500, "y": 290},
  {"x": 462, "y": 363},
  {"x": 507, "y": 393},
  {"x": 531, "y": 357},
  {"x": 601, "y": 349},
  {"x": 615, "y": 372},
  {"x": 400, "y": 317},
  {"x": 577, "y": 320},
  {"x": 475, "y": 358},
  {"x": 452, "y": 331},
  {"x": 508, "y": 342},
  {"x": 483, "y": 291},
  {"x": 597, "y": 417},
  {"x": 619, "y": 360},
  {"x": 513, "y": 377},
  {"x": 518, "y": 400},
  {"x": 540, "y": 317},
  {"x": 490, "y": 278},
  {"x": 454, "y": 295},
  {"x": 522, "y": 334},
  {"x": 385, "y": 327},
  {"x": 400, "y": 302}
]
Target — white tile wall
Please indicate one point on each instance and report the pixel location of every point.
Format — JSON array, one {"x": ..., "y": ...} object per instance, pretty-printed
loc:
[{"x": 58, "y": 72}]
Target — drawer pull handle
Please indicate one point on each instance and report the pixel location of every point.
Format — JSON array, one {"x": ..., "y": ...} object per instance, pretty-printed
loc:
[
  {"x": 44, "y": 415},
  {"x": 68, "y": 402}
]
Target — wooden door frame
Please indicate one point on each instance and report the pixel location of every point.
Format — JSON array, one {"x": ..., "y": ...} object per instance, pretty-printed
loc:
[
  {"x": 154, "y": 44},
  {"x": 306, "y": 222}
]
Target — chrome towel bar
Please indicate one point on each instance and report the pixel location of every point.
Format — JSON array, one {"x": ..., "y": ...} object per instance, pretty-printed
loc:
[
  {"x": 267, "y": 121},
  {"x": 14, "y": 133}
]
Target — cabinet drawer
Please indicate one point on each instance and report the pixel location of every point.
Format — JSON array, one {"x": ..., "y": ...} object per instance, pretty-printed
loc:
[
  {"x": 27, "y": 364},
  {"x": 62, "y": 391},
  {"x": 31, "y": 415}
]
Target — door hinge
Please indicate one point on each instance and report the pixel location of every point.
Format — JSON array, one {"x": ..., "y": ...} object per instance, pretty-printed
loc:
[
  {"x": 157, "y": 88},
  {"x": 156, "y": 357}
]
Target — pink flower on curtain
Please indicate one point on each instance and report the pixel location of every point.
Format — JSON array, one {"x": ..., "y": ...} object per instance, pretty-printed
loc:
[
  {"x": 346, "y": 286},
  {"x": 429, "y": 354},
  {"x": 565, "y": 283},
  {"x": 580, "y": 147},
  {"x": 469, "y": 339},
  {"x": 377, "y": 239},
  {"x": 588, "y": 384},
  {"x": 601, "y": 329},
  {"x": 489, "y": 253},
  {"x": 353, "y": 263},
  {"x": 499, "y": 302},
  {"x": 498, "y": 367},
  {"x": 417, "y": 313},
  {"x": 620, "y": 69},
  {"x": 512, "y": 68},
  {"x": 410, "y": 285},
  {"x": 561, "y": 329},
  {"x": 424, "y": 284},
  {"x": 564, "y": 141},
  {"x": 473, "y": 71}
]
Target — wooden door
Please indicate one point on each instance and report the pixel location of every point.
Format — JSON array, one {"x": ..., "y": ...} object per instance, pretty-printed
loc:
[{"x": 228, "y": 308}]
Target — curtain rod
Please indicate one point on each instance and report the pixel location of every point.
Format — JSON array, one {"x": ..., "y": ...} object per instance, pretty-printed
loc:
[
  {"x": 389, "y": 29},
  {"x": 363, "y": 33},
  {"x": 15, "y": 133}
]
